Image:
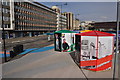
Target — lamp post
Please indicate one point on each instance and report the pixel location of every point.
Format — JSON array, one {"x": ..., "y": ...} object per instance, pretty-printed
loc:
[
  {"x": 61, "y": 12},
  {"x": 117, "y": 41},
  {"x": 3, "y": 35}
]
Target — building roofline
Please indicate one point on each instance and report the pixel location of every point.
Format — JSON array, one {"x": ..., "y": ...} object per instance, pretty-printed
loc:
[{"x": 43, "y": 5}]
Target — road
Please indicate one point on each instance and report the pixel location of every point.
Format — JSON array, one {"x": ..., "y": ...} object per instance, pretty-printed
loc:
[
  {"x": 49, "y": 64},
  {"x": 28, "y": 42}
]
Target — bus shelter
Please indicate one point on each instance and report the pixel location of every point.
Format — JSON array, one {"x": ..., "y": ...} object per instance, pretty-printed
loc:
[
  {"x": 94, "y": 50},
  {"x": 64, "y": 41}
]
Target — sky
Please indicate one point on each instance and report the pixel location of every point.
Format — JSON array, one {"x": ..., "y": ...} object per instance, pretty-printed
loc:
[{"x": 89, "y": 11}]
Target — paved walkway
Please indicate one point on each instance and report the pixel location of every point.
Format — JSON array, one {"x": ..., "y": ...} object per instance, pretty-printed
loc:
[{"x": 49, "y": 64}]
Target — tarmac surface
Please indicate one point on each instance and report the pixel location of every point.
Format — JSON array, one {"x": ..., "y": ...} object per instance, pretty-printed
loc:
[
  {"x": 50, "y": 64},
  {"x": 28, "y": 43}
]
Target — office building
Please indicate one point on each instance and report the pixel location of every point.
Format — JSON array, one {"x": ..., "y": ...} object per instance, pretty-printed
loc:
[
  {"x": 105, "y": 26},
  {"x": 5, "y": 17},
  {"x": 76, "y": 25},
  {"x": 29, "y": 19},
  {"x": 70, "y": 19},
  {"x": 61, "y": 19}
]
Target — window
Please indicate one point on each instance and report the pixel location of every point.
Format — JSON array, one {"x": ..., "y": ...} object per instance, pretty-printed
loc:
[
  {"x": 8, "y": 25},
  {"x": 0, "y": 9},
  {"x": 4, "y": 3},
  {"x": 3, "y": 10},
  {"x": 5, "y": 18},
  {"x": 0, "y": 18},
  {"x": 8, "y": 3},
  {"x": 0, "y": 26}
]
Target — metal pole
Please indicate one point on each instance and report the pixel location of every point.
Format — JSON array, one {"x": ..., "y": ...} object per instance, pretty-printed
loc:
[
  {"x": 117, "y": 41},
  {"x": 3, "y": 35}
]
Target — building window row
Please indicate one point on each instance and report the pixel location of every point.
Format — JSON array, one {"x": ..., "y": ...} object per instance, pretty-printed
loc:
[
  {"x": 32, "y": 20},
  {"x": 6, "y": 18},
  {"x": 19, "y": 27},
  {"x": 30, "y": 17},
  {"x": 4, "y": 10},
  {"x": 5, "y": 26},
  {"x": 33, "y": 8},
  {"x": 24, "y": 13},
  {"x": 6, "y": 3}
]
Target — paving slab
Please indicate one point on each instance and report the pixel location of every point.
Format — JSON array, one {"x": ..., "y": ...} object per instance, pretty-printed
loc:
[{"x": 48, "y": 64}]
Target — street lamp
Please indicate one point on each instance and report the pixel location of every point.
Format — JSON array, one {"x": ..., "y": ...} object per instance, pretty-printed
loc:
[
  {"x": 61, "y": 12},
  {"x": 3, "y": 35},
  {"x": 117, "y": 41}
]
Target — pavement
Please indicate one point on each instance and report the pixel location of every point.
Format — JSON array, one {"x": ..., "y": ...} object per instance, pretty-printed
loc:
[
  {"x": 29, "y": 44},
  {"x": 49, "y": 64}
]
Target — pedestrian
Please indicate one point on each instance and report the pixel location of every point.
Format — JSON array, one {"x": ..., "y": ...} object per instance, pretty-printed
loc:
[{"x": 65, "y": 45}]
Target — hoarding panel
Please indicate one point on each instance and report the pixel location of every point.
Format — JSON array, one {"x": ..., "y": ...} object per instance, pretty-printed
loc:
[
  {"x": 88, "y": 48},
  {"x": 105, "y": 46}
]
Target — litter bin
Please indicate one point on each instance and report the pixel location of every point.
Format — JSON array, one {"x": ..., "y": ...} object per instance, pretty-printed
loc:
[{"x": 94, "y": 50}]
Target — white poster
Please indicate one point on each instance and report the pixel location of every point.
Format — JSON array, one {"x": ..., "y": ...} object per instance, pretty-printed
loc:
[
  {"x": 88, "y": 47},
  {"x": 105, "y": 46},
  {"x": 66, "y": 42}
]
